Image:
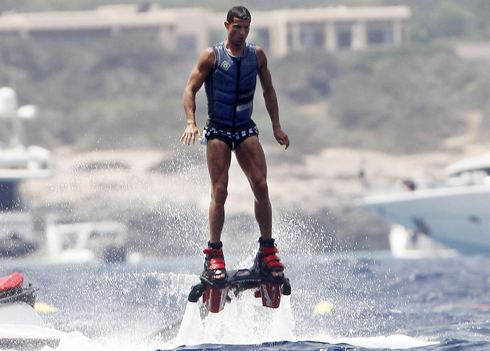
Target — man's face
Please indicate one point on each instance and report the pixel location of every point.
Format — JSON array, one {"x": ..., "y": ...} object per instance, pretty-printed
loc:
[{"x": 238, "y": 31}]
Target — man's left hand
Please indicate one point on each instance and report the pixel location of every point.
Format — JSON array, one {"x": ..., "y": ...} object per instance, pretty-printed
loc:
[{"x": 282, "y": 138}]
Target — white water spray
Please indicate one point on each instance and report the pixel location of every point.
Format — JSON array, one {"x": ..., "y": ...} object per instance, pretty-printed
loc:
[
  {"x": 283, "y": 323},
  {"x": 190, "y": 332},
  {"x": 243, "y": 321}
]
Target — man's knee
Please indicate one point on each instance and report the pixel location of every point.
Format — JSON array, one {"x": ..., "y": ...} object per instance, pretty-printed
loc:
[
  {"x": 220, "y": 193},
  {"x": 260, "y": 189}
]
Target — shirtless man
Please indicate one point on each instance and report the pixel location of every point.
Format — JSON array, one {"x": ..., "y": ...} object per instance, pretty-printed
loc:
[{"x": 229, "y": 70}]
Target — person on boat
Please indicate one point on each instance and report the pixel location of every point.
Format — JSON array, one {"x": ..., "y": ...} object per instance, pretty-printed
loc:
[{"x": 229, "y": 70}]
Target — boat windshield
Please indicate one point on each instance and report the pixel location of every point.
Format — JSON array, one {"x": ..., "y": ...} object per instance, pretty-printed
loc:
[{"x": 9, "y": 199}]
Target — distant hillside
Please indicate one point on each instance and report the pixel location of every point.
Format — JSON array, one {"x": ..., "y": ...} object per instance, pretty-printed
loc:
[{"x": 127, "y": 92}]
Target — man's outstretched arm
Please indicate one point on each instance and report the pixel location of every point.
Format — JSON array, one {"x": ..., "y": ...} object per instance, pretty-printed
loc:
[{"x": 271, "y": 99}]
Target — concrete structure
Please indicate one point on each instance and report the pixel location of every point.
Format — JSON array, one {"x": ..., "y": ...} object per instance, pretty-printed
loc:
[{"x": 278, "y": 32}]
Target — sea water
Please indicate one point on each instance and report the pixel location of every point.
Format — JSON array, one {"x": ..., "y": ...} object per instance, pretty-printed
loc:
[{"x": 378, "y": 303}]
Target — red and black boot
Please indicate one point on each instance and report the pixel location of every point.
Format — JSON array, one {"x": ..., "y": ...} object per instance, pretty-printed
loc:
[
  {"x": 214, "y": 272},
  {"x": 267, "y": 263}
]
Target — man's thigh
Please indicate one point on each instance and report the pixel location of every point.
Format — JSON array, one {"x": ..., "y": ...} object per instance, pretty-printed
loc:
[
  {"x": 219, "y": 159},
  {"x": 251, "y": 158}
]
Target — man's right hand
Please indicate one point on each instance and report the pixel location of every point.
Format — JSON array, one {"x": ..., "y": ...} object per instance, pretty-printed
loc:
[
  {"x": 189, "y": 136},
  {"x": 204, "y": 66}
]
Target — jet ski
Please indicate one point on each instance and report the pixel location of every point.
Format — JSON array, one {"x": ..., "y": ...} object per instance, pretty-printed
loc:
[{"x": 21, "y": 328}]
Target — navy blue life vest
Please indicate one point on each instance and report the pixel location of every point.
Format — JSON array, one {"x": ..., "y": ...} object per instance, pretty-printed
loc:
[{"x": 230, "y": 86}]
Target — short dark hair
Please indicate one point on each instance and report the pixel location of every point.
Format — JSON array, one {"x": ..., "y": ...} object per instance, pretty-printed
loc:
[{"x": 239, "y": 12}]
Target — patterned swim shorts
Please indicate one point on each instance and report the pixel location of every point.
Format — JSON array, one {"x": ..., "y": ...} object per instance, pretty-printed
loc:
[{"x": 233, "y": 140}]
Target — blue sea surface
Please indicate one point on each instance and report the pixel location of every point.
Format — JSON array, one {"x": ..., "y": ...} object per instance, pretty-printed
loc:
[{"x": 380, "y": 303}]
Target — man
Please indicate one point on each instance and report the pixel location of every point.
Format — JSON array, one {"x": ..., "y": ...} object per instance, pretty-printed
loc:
[{"x": 229, "y": 70}]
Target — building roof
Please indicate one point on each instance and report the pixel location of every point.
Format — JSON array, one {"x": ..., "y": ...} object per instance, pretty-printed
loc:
[{"x": 132, "y": 16}]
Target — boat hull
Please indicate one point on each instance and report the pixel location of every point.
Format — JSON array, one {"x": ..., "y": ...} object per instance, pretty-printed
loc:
[
  {"x": 28, "y": 337},
  {"x": 458, "y": 217},
  {"x": 21, "y": 328}
]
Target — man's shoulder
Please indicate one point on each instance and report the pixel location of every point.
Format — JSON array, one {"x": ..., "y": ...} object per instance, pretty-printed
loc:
[
  {"x": 259, "y": 49},
  {"x": 208, "y": 56},
  {"x": 261, "y": 57},
  {"x": 208, "y": 51}
]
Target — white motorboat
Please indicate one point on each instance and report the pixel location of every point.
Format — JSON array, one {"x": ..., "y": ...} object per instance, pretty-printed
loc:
[
  {"x": 18, "y": 163},
  {"x": 21, "y": 328},
  {"x": 456, "y": 213},
  {"x": 87, "y": 241}
]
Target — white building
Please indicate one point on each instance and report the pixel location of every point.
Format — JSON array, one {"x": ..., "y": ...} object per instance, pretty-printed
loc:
[{"x": 278, "y": 32}]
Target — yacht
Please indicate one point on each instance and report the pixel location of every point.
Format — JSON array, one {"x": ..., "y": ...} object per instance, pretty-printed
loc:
[
  {"x": 18, "y": 163},
  {"x": 455, "y": 213}
]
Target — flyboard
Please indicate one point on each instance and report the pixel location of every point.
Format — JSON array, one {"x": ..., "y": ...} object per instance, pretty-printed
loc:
[{"x": 214, "y": 296}]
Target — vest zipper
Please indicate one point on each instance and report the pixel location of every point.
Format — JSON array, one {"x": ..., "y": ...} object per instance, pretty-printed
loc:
[{"x": 237, "y": 93}]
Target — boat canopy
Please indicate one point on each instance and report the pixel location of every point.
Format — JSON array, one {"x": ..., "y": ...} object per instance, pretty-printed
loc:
[{"x": 471, "y": 164}]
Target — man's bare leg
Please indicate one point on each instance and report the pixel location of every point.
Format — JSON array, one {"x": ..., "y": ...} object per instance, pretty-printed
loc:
[
  {"x": 219, "y": 160},
  {"x": 251, "y": 159}
]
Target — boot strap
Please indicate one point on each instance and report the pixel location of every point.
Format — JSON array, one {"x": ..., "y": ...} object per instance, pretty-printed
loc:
[{"x": 273, "y": 261}]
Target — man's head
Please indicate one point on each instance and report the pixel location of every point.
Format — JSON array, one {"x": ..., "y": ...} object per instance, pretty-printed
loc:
[
  {"x": 238, "y": 12},
  {"x": 238, "y": 25}
]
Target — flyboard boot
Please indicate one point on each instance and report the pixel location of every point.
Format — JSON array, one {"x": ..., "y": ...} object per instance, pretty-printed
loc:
[
  {"x": 267, "y": 263},
  {"x": 213, "y": 287},
  {"x": 268, "y": 266}
]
